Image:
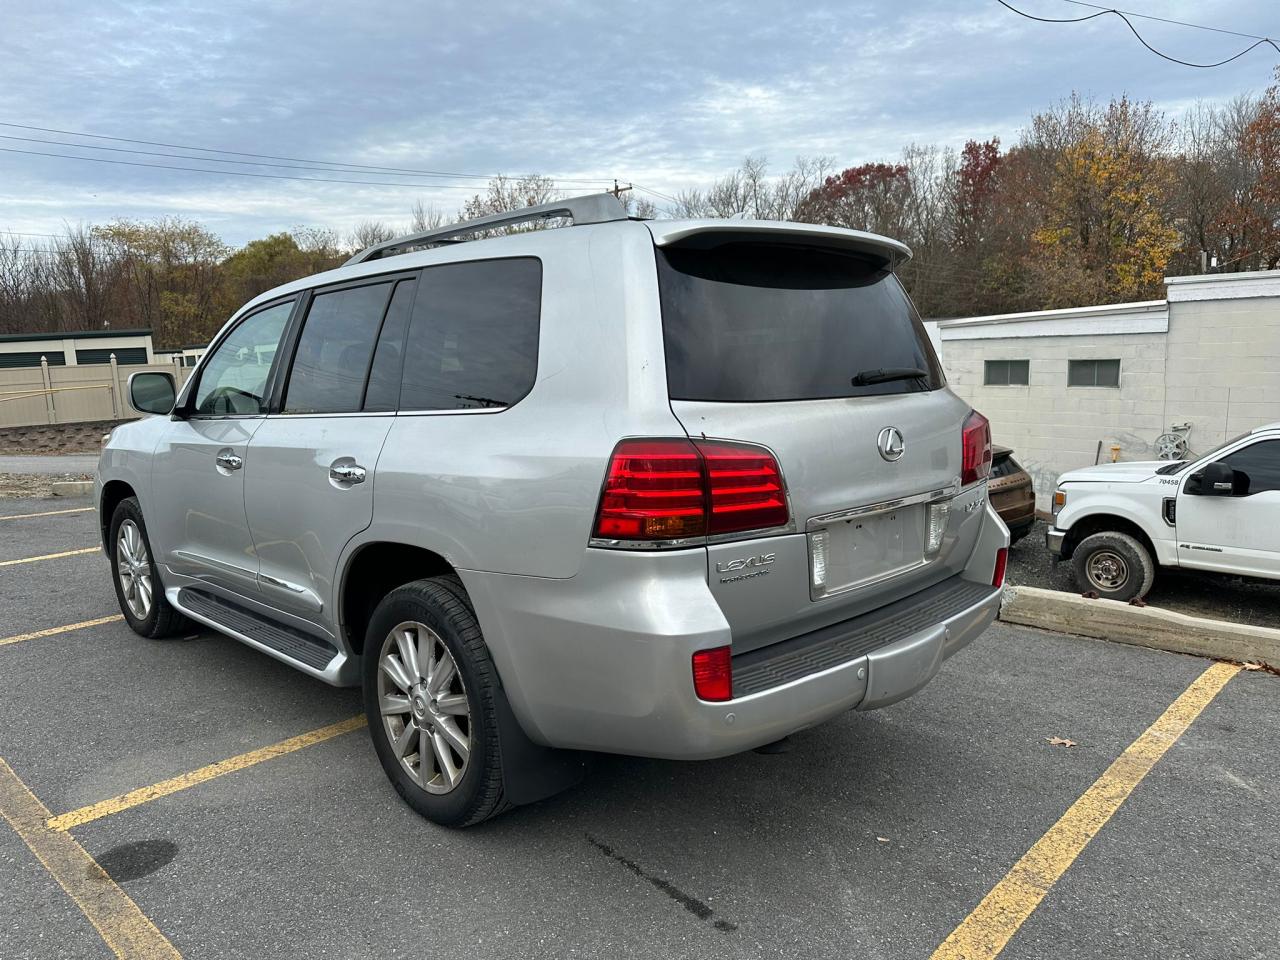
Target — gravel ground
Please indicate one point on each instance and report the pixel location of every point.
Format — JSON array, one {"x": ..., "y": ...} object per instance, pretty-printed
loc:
[
  {"x": 34, "y": 485},
  {"x": 1199, "y": 594}
]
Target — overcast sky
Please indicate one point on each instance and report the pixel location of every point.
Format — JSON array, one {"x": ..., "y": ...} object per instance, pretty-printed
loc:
[{"x": 669, "y": 95}]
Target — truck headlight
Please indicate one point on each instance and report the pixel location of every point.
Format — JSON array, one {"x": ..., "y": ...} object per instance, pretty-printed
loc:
[{"x": 1059, "y": 501}]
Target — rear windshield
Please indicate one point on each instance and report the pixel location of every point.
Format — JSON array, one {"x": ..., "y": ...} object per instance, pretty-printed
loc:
[{"x": 749, "y": 322}]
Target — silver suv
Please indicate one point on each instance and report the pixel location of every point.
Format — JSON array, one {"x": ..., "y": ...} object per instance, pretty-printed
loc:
[{"x": 669, "y": 488}]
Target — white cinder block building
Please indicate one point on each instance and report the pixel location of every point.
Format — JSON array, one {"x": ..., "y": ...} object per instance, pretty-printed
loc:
[{"x": 1063, "y": 387}]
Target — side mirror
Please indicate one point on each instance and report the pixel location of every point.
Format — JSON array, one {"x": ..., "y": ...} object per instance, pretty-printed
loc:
[
  {"x": 1215, "y": 480},
  {"x": 152, "y": 392}
]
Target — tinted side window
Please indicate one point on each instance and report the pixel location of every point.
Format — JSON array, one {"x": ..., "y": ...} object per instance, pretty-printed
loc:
[
  {"x": 383, "y": 392},
  {"x": 234, "y": 379},
  {"x": 333, "y": 353},
  {"x": 1257, "y": 468},
  {"x": 473, "y": 340}
]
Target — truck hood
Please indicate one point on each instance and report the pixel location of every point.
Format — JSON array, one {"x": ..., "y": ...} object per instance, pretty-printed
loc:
[{"x": 1134, "y": 472}]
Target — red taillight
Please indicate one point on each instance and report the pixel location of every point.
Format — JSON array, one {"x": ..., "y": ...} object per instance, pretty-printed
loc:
[
  {"x": 653, "y": 491},
  {"x": 745, "y": 487},
  {"x": 682, "y": 489},
  {"x": 976, "y": 446},
  {"x": 1002, "y": 560},
  {"x": 713, "y": 674}
]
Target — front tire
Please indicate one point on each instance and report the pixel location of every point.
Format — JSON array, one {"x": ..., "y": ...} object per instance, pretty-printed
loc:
[
  {"x": 1114, "y": 565},
  {"x": 133, "y": 570},
  {"x": 430, "y": 691}
]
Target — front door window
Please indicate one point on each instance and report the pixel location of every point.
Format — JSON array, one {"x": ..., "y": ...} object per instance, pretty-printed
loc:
[{"x": 233, "y": 381}]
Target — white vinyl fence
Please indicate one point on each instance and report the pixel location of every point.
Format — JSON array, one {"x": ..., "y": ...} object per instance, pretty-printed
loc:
[{"x": 72, "y": 394}]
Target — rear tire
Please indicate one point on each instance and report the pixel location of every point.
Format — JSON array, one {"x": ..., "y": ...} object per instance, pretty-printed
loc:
[
  {"x": 420, "y": 633},
  {"x": 1114, "y": 565},
  {"x": 136, "y": 577}
]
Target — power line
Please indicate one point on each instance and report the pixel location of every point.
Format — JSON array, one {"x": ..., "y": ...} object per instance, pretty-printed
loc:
[
  {"x": 181, "y": 156},
  {"x": 1103, "y": 11},
  {"x": 1180, "y": 23},
  {"x": 240, "y": 173},
  {"x": 268, "y": 156},
  {"x": 660, "y": 196}
]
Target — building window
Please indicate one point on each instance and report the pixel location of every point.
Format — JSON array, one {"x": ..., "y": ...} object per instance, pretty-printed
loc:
[
  {"x": 123, "y": 355},
  {"x": 1007, "y": 373},
  {"x": 1093, "y": 373}
]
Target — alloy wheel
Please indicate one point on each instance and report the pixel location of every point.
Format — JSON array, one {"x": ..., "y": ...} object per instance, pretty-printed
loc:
[
  {"x": 423, "y": 703},
  {"x": 133, "y": 567}
]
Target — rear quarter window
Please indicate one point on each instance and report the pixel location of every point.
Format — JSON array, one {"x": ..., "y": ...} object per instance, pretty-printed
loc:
[
  {"x": 473, "y": 337},
  {"x": 759, "y": 322}
]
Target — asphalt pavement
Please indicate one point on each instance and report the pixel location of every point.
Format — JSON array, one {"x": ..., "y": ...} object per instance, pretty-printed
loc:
[{"x": 876, "y": 835}]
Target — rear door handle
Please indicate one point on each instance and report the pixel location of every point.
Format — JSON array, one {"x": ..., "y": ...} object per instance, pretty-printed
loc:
[
  {"x": 230, "y": 461},
  {"x": 347, "y": 473}
]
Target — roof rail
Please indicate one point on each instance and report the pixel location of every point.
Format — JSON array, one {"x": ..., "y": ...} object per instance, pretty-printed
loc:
[{"x": 593, "y": 208}]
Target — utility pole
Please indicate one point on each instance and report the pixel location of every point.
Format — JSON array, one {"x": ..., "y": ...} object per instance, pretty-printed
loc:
[{"x": 617, "y": 190}]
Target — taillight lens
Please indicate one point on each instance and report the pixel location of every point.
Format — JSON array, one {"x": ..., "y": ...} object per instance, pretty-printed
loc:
[
  {"x": 744, "y": 485},
  {"x": 681, "y": 489},
  {"x": 713, "y": 674},
  {"x": 1002, "y": 561},
  {"x": 653, "y": 491},
  {"x": 976, "y": 445}
]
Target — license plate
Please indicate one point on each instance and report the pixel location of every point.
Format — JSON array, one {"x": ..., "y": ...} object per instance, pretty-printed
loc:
[{"x": 868, "y": 548}]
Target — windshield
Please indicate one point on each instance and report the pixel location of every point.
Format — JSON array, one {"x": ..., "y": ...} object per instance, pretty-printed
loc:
[
  {"x": 760, "y": 322},
  {"x": 1176, "y": 465}
]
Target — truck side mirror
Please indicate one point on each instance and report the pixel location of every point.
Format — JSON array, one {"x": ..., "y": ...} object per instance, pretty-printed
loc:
[
  {"x": 152, "y": 392},
  {"x": 1215, "y": 480}
]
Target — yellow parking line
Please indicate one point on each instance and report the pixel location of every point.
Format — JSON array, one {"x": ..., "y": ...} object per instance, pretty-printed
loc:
[
  {"x": 54, "y": 631},
  {"x": 105, "y": 808},
  {"x": 986, "y": 931},
  {"x": 125, "y": 928},
  {"x": 49, "y": 556},
  {"x": 46, "y": 513}
]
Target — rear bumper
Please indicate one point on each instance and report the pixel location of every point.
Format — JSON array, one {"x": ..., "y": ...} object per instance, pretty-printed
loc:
[{"x": 602, "y": 661}]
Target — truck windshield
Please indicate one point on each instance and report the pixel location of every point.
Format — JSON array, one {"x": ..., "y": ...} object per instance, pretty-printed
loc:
[{"x": 760, "y": 322}]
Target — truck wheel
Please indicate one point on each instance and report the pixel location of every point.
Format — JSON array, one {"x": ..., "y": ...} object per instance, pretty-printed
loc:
[
  {"x": 133, "y": 570},
  {"x": 429, "y": 692},
  {"x": 1114, "y": 565}
]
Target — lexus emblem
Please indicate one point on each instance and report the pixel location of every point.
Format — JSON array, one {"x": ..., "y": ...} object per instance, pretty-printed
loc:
[{"x": 890, "y": 444}]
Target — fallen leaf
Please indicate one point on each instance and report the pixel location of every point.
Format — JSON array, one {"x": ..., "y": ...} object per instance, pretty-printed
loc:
[
  {"x": 1090, "y": 594},
  {"x": 1137, "y": 602},
  {"x": 1249, "y": 665},
  {"x": 883, "y": 839},
  {"x": 1059, "y": 742}
]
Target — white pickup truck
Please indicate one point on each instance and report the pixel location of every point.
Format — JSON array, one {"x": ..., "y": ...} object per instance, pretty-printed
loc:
[{"x": 1116, "y": 522}]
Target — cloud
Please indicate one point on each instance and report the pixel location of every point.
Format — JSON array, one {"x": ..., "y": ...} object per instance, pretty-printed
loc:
[{"x": 667, "y": 94}]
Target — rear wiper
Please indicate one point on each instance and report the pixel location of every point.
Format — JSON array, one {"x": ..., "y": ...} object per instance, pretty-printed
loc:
[{"x": 888, "y": 374}]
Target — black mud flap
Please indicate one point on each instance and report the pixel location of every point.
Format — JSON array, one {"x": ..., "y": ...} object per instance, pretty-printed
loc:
[{"x": 531, "y": 772}]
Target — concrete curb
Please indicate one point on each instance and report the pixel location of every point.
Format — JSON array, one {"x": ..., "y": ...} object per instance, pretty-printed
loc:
[
  {"x": 1143, "y": 626},
  {"x": 72, "y": 488}
]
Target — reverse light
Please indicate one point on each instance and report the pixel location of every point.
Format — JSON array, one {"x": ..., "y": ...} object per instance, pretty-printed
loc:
[
  {"x": 713, "y": 674},
  {"x": 680, "y": 489},
  {"x": 818, "y": 560},
  {"x": 1002, "y": 561},
  {"x": 939, "y": 513},
  {"x": 976, "y": 449}
]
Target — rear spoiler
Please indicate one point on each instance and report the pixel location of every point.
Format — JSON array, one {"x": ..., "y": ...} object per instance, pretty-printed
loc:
[{"x": 712, "y": 233}]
